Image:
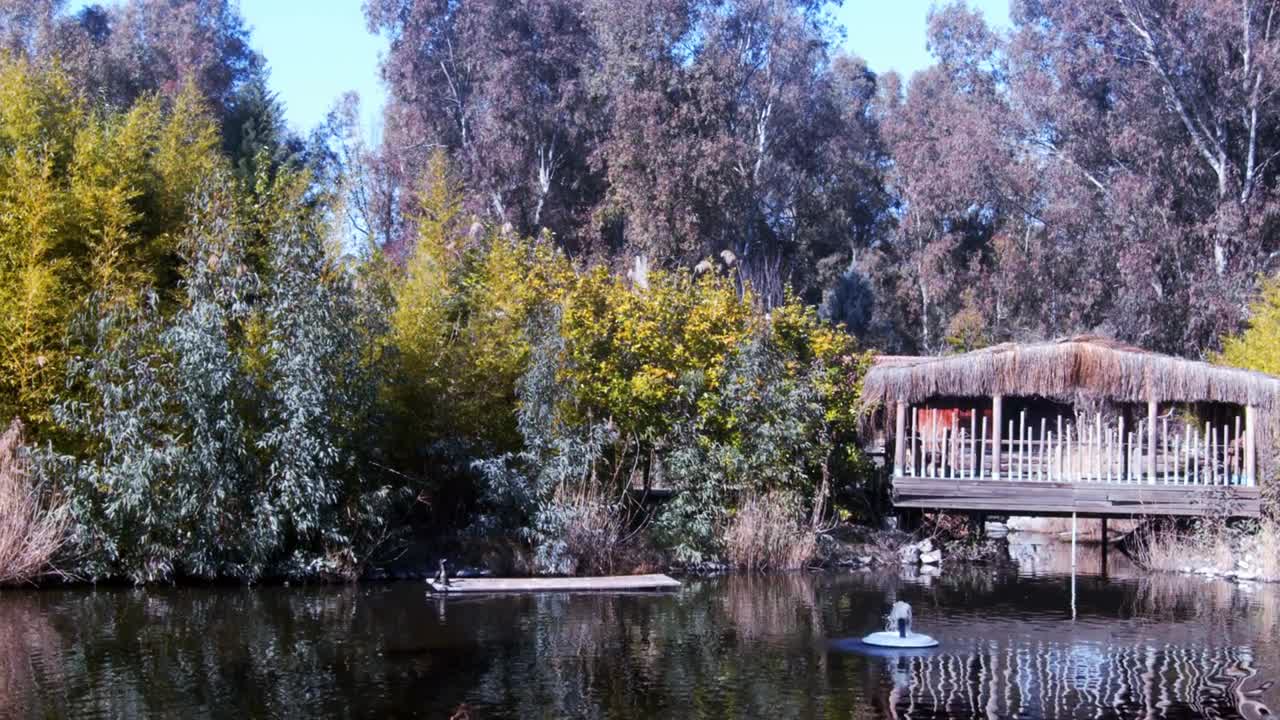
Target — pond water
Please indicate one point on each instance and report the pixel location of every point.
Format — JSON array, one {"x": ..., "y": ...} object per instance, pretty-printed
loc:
[{"x": 1013, "y": 644}]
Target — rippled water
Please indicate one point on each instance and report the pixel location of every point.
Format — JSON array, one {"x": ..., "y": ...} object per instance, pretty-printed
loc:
[{"x": 759, "y": 647}]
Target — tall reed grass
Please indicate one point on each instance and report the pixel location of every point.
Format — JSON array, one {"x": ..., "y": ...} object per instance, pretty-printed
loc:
[
  {"x": 770, "y": 533},
  {"x": 1211, "y": 544},
  {"x": 33, "y": 528}
]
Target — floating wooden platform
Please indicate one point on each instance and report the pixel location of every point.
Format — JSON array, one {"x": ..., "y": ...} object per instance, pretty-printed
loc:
[
  {"x": 1023, "y": 497},
  {"x": 614, "y": 583}
]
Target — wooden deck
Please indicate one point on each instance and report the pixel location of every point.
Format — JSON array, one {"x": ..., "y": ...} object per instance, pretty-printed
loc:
[
  {"x": 1022, "y": 497},
  {"x": 616, "y": 583}
]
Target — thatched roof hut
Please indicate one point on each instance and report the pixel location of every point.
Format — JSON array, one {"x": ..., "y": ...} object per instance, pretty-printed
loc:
[{"x": 1066, "y": 370}]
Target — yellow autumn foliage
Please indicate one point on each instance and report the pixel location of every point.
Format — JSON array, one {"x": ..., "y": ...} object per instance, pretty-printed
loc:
[
  {"x": 90, "y": 204},
  {"x": 628, "y": 349},
  {"x": 1258, "y": 347},
  {"x": 463, "y": 302}
]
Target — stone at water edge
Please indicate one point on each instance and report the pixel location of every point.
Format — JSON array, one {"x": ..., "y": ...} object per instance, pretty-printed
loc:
[
  {"x": 909, "y": 555},
  {"x": 933, "y": 557}
]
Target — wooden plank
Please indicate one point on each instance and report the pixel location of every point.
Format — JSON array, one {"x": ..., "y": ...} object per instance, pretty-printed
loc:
[
  {"x": 899, "y": 437},
  {"x": 997, "y": 416},
  {"x": 1153, "y": 410},
  {"x": 1065, "y": 497},
  {"x": 614, "y": 583},
  {"x": 1250, "y": 446}
]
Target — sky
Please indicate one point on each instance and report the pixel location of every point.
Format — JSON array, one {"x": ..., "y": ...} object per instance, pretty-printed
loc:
[{"x": 319, "y": 49}]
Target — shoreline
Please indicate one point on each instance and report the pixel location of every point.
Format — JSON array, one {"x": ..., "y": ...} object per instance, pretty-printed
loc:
[{"x": 845, "y": 548}]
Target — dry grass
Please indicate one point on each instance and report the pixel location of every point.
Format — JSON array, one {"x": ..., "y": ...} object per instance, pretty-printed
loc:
[
  {"x": 1061, "y": 368},
  {"x": 1267, "y": 550},
  {"x": 599, "y": 535},
  {"x": 1210, "y": 544},
  {"x": 32, "y": 531},
  {"x": 768, "y": 533}
]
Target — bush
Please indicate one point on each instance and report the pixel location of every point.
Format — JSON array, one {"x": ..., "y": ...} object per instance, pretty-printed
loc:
[
  {"x": 770, "y": 533},
  {"x": 223, "y": 439},
  {"x": 32, "y": 528}
]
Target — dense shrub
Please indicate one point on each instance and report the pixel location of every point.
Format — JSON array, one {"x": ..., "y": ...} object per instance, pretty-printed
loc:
[
  {"x": 676, "y": 382},
  {"x": 220, "y": 441}
]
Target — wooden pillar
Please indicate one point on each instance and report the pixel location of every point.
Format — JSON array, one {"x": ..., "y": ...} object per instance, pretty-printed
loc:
[
  {"x": 1250, "y": 446},
  {"x": 900, "y": 439},
  {"x": 1104, "y": 545},
  {"x": 1153, "y": 409},
  {"x": 997, "y": 415}
]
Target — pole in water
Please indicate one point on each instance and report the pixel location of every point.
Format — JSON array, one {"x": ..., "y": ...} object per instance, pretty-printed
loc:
[
  {"x": 1073, "y": 566},
  {"x": 1073, "y": 541},
  {"x": 1104, "y": 547}
]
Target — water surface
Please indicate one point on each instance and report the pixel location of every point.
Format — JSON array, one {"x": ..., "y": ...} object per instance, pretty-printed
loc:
[{"x": 1013, "y": 645}]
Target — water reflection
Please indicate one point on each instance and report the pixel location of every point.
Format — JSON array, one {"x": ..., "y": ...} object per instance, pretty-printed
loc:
[
  {"x": 1076, "y": 680},
  {"x": 733, "y": 647}
]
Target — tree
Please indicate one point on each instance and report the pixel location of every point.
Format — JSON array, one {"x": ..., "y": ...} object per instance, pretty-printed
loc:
[
  {"x": 504, "y": 88},
  {"x": 122, "y": 52},
  {"x": 672, "y": 130},
  {"x": 1120, "y": 155}
]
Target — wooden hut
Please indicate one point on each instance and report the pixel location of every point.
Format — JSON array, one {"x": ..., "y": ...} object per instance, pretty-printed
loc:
[{"x": 1079, "y": 425}]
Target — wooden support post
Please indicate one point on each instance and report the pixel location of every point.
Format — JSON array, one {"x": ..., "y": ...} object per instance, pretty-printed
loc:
[
  {"x": 973, "y": 444},
  {"x": 1124, "y": 450},
  {"x": 1153, "y": 409},
  {"x": 913, "y": 445},
  {"x": 1022, "y": 446},
  {"x": 1250, "y": 446},
  {"x": 997, "y": 419},
  {"x": 1186, "y": 454},
  {"x": 1099, "y": 457},
  {"x": 899, "y": 438},
  {"x": 982, "y": 449},
  {"x": 1104, "y": 545},
  {"x": 1044, "y": 456}
]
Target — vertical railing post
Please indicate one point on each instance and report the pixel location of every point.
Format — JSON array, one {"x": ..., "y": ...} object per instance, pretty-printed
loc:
[
  {"x": 899, "y": 437},
  {"x": 1153, "y": 409},
  {"x": 997, "y": 415},
  {"x": 1250, "y": 446}
]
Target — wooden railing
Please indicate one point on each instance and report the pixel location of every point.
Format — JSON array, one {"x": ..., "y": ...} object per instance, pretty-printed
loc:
[{"x": 1067, "y": 450}]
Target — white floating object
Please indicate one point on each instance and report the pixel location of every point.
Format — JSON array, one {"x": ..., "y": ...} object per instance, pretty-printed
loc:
[
  {"x": 888, "y": 639},
  {"x": 899, "y": 634}
]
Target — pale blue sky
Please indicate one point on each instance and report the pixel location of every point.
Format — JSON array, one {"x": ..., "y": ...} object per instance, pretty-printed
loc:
[{"x": 318, "y": 49}]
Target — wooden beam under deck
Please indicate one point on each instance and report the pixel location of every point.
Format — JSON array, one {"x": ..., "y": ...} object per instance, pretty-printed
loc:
[{"x": 1085, "y": 498}]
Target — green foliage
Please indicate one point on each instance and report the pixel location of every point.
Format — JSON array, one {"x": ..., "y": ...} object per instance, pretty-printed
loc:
[
  {"x": 679, "y": 382},
  {"x": 222, "y": 441}
]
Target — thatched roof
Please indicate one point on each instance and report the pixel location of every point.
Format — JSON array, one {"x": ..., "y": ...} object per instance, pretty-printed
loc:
[{"x": 1066, "y": 369}]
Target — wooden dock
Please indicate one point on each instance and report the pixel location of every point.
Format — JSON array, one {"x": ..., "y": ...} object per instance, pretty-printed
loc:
[
  {"x": 615, "y": 583},
  {"x": 1021, "y": 497}
]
